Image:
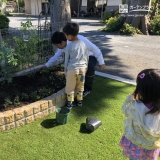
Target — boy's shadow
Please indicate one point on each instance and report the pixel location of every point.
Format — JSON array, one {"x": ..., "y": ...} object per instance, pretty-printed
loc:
[{"x": 49, "y": 123}]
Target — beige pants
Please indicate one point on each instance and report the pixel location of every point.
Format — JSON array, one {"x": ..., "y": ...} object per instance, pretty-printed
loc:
[{"x": 75, "y": 83}]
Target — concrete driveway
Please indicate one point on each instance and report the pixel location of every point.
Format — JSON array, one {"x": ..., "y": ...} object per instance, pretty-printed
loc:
[{"x": 124, "y": 56}]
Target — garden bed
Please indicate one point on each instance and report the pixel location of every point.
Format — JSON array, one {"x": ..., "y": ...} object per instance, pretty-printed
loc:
[{"x": 27, "y": 89}]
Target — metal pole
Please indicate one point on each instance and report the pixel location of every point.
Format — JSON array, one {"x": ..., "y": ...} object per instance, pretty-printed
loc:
[
  {"x": 102, "y": 10},
  {"x": 18, "y": 5},
  {"x": 35, "y": 6},
  {"x": 106, "y": 2},
  {"x": 78, "y": 7}
]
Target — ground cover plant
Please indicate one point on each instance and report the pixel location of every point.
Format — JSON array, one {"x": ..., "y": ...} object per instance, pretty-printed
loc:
[
  {"x": 45, "y": 140},
  {"x": 30, "y": 88}
]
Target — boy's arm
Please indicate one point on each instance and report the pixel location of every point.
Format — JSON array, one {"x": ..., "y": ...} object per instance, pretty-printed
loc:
[
  {"x": 95, "y": 50},
  {"x": 53, "y": 59},
  {"x": 66, "y": 60}
]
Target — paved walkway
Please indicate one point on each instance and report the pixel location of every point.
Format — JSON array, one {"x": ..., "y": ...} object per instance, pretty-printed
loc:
[{"x": 124, "y": 56}]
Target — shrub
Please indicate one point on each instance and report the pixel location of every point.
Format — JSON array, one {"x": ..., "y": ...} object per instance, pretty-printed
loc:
[
  {"x": 8, "y": 61},
  {"x": 26, "y": 47},
  {"x": 155, "y": 25},
  {"x": 117, "y": 14},
  {"x": 7, "y": 13},
  {"x": 4, "y": 21},
  {"x": 106, "y": 16},
  {"x": 123, "y": 1},
  {"x": 129, "y": 29},
  {"x": 114, "y": 24}
]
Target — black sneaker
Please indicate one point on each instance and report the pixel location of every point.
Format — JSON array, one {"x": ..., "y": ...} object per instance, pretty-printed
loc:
[
  {"x": 79, "y": 103},
  {"x": 86, "y": 92},
  {"x": 70, "y": 104}
]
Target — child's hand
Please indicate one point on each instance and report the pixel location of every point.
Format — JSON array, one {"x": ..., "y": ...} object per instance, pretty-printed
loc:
[
  {"x": 65, "y": 74},
  {"x": 102, "y": 67}
]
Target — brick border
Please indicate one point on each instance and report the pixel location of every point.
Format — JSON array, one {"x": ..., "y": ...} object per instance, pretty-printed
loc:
[{"x": 31, "y": 112}]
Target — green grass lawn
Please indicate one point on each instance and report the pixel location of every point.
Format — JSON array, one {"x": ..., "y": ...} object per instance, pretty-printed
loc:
[{"x": 42, "y": 140}]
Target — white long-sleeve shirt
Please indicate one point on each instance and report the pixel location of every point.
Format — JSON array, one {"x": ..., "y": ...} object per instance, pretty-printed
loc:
[
  {"x": 93, "y": 50},
  {"x": 76, "y": 56}
]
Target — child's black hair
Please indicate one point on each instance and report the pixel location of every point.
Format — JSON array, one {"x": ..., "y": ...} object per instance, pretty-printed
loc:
[
  {"x": 71, "y": 29},
  {"x": 148, "y": 88},
  {"x": 58, "y": 37}
]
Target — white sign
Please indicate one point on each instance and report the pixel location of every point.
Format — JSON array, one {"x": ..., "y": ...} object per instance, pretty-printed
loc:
[
  {"x": 84, "y": 2},
  {"x": 124, "y": 8}
]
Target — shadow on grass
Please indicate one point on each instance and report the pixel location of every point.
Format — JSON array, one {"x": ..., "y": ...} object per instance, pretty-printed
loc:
[
  {"x": 105, "y": 92},
  {"x": 105, "y": 43},
  {"x": 49, "y": 123}
]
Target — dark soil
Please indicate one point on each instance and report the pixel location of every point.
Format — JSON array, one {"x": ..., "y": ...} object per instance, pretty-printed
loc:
[{"x": 30, "y": 88}]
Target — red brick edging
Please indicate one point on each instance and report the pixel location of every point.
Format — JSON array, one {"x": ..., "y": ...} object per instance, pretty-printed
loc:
[{"x": 29, "y": 113}]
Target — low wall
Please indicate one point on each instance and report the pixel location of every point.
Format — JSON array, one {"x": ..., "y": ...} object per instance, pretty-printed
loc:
[{"x": 31, "y": 112}]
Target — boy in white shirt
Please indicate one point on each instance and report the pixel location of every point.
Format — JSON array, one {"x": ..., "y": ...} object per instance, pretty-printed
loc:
[
  {"x": 95, "y": 55},
  {"x": 76, "y": 63}
]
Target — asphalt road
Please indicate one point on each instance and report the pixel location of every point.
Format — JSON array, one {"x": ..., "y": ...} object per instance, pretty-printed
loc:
[{"x": 124, "y": 56}]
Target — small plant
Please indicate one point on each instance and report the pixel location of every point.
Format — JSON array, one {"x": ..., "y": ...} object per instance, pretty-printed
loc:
[
  {"x": 114, "y": 24},
  {"x": 129, "y": 29},
  {"x": 33, "y": 96},
  {"x": 26, "y": 46},
  {"x": 44, "y": 71},
  {"x": 51, "y": 78},
  {"x": 117, "y": 14},
  {"x": 7, "y": 13},
  {"x": 7, "y": 102},
  {"x": 44, "y": 92},
  {"x": 8, "y": 61},
  {"x": 123, "y": 1},
  {"x": 16, "y": 101},
  {"x": 24, "y": 97},
  {"x": 4, "y": 21},
  {"x": 106, "y": 16},
  {"x": 155, "y": 25},
  {"x": 26, "y": 25}
]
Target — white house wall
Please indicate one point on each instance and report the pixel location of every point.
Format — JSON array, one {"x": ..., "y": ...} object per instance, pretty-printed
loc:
[
  {"x": 84, "y": 2},
  {"x": 36, "y": 7},
  {"x": 100, "y": 2},
  {"x": 27, "y": 6},
  {"x": 114, "y": 2}
]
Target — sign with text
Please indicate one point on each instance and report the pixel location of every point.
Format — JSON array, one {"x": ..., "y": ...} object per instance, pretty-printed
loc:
[{"x": 124, "y": 8}]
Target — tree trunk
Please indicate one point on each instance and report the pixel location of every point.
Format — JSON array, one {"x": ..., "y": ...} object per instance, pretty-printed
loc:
[
  {"x": 60, "y": 14},
  {"x": 138, "y": 19}
]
